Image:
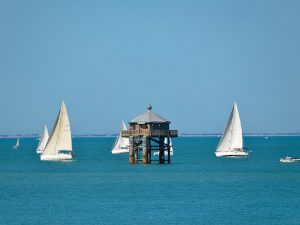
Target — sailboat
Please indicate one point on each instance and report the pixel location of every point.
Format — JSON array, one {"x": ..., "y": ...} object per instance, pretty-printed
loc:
[
  {"x": 121, "y": 144},
  {"x": 59, "y": 145},
  {"x": 231, "y": 143},
  {"x": 166, "y": 151},
  {"x": 17, "y": 144},
  {"x": 43, "y": 141}
]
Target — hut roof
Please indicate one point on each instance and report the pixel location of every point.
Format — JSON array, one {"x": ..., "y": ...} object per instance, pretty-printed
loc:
[{"x": 149, "y": 117}]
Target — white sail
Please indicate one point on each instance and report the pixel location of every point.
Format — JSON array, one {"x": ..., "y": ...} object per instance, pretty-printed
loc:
[
  {"x": 60, "y": 138},
  {"x": 122, "y": 144},
  {"x": 43, "y": 140},
  {"x": 232, "y": 139},
  {"x": 171, "y": 146},
  {"x": 17, "y": 144},
  {"x": 237, "y": 134}
]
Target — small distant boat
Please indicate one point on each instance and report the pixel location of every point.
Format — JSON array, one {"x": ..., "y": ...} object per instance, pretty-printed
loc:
[
  {"x": 17, "y": 144},
  {"x": 289, "y": 159},
  {"x": 231, "y": 143},
  {"x": 166, "y": 151},
  {"x": 122, "y": 143},
  {"x": 43, "y": 141},
  {"x": 59, "y": 145}
]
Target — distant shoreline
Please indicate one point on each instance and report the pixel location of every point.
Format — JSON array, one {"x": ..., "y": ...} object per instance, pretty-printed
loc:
[{"x": 180, "y": 135}]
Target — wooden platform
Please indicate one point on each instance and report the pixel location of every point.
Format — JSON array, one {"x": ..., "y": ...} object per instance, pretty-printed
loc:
[{"x": 150, "y": 133}]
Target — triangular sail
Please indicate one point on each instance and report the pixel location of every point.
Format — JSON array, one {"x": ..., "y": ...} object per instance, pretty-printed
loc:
[
  {"x": 121, "y": 143},
  {"x": 60, "y": 138},
  {"x": 17, "y": 144},
  {"x": 237, "y": 134},
  {"x": 43, "y": 140},
  {"x": 232, "y": 136},
  {"x": 123, "y": 126}
]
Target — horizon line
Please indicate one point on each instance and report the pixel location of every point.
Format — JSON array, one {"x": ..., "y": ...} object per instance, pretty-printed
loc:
[{"x": 263, "y": 134}]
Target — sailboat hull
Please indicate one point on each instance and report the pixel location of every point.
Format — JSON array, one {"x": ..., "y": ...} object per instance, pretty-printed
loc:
[
  {"x": 289, "y": 160},
  {"x": 120, "y": 151},
  {"x": 39, "y": 152},
  {"x": 57, "y": 157},
  {"x": 232, "y": 154},
  {"x": 165, "y": 152}
]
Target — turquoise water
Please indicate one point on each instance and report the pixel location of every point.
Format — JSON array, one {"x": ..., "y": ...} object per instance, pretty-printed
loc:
[{"x": 197, "y": 188}]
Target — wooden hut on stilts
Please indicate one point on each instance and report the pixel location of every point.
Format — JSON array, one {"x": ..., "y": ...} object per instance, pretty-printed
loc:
[{"x": 147, "y": 133}]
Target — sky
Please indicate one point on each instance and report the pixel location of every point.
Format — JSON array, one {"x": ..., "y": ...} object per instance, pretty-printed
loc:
[{"x": 190, "y": 59}]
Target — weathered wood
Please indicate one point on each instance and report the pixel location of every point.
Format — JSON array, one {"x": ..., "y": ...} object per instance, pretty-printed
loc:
[
  {"x": 161, "y": 151},
  {"x": 131, "y": 150},
  {"x": 145, "y": 150},
  {"x": 168, "y": 149},
  {"x": 149, "y": 151},
  {"x": 136, "y": 154},
  {"x": 149, "y": 133}
]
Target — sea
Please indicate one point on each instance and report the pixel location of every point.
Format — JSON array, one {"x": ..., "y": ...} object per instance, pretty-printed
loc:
[{"x": 196, "y": 188}]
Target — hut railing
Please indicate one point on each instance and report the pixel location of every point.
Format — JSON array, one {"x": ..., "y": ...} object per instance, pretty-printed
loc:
[{"x": 150, "y": 133}]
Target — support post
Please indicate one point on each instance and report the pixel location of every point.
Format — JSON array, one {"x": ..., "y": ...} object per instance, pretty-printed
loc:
[
  {"x": 145, "y": 149},
  {"x": 161, "y": 151},
  {"x": 149, "y": 150},
  {"x": 168, "y": 148},
  {"x": 136, "y": 154},
  {"x": 131, "y": 150}
]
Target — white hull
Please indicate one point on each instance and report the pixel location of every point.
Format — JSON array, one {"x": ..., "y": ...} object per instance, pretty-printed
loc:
[
  {"x": 39, "y": 152},
  {"x": 289, "y": 160},
  {"x": 57, "y": 157},
  {"x": 121, "y": 151},
  {"x": 166, "y": 153},
  {"x": 232, "y": 154}
]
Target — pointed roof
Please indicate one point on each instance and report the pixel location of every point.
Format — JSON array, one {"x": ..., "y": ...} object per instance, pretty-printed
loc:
[{"x": 149, "y": 117}]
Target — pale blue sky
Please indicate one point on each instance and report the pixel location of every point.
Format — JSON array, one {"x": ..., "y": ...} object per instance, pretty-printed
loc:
[{"x": 190, "y": 59}]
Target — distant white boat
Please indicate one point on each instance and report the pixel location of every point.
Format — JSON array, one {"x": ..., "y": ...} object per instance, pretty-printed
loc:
[
  {"x": 122, "y": 143},
  {"x": 231, "y": 143},
  {"x": 166, "y": 151},
  {"x": 289, "y": 159},
  {"x": 43, "y": 141},
  {"x": 59, "y": 145},
  {"x": 17, "y": 144}
]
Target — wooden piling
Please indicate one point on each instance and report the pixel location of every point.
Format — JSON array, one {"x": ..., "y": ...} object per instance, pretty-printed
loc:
[
  {"x": 168, "y": 150},
  {"x": 145, "y": 150},
  {"x": 149, "y": 151},
  {"x": 161, "y": 151},
  {"x": 131, "y": 150}
]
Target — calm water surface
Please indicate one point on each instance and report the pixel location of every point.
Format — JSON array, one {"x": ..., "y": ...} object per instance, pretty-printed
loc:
[{"x": 197, "y": 188}]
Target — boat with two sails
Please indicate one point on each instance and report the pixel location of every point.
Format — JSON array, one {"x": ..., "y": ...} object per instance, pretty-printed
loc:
[
  {"x": 122, "y": 143},
  {"x": 59, "y": 145}
]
